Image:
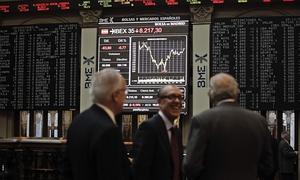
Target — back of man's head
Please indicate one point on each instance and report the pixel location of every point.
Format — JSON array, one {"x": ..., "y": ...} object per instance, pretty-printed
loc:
[
  {"x": 223, "y": 86},
  {"x": 104, "y": 83},
  {"x": 285, "y": 135}
]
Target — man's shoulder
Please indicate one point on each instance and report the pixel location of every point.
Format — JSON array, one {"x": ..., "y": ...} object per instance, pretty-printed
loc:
[
  {"x": 152, "y": 123},
  {"x": 95, "y": 116},
  {"x": 283, "y": 143},
  {"x": 154, "y": 119},
  {"x": 87, "y": 112},
  {"x": 207, "y": 113},
  {"x": 205, "y": 117},
  {"x": 220, "y": 111}
]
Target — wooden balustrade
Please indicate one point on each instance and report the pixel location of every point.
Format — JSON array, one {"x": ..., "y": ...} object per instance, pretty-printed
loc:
[{"x": 31, "y": 159}]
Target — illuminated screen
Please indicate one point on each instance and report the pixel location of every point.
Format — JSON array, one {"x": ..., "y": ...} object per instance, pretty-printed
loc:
[
  {"x": 149, "y": 52},
  {"x": 140, "y": 3},
  {"x": 39, "y": 67},
  {"x": 36, "y": 6},
  {"x": 46, "y": 6},
  {"x": 263, "y": 55},
  {"x": 33, "y": 6}
]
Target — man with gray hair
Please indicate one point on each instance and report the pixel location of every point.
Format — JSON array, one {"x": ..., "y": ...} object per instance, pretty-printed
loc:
[
  {"x": 227, "y": 142},
  {"x": 95, "y": 149}
]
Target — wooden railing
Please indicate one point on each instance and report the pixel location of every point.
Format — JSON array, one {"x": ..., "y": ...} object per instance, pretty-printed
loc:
[{"x": 31, "y": 159}]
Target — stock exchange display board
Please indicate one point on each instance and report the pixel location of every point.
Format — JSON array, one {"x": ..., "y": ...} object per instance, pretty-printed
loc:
[
  {"x": 39, "y": 67},
  {"x": 149, "y": 52},
  {"x": 13, "y": 7},
  {"x": 34, "y": 6},
  {"x": 263, "y": 54}
]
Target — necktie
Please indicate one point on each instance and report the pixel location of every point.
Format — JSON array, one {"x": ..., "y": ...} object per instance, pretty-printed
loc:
[{"x": 175, "y": 154}]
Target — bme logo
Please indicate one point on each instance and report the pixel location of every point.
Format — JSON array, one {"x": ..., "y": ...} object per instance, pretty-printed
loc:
[
  {"x": 201, "y": 70},
  {"x": 88, "y": 71}
]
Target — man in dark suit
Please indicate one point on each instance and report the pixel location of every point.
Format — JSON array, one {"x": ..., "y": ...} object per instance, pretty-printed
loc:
[
  {"x": 227, "y": 142},
  {"x": 286, "y": 157},
  {"x": 95, "y": 150},
  {"x": 158, "y": 148}
]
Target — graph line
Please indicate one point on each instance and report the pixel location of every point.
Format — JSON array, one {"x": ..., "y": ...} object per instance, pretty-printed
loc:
[{"x": 162, "y": 62}]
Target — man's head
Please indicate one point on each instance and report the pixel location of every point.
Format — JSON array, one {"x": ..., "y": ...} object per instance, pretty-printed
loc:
[
  {"x": 285, "y": 135},
  {"x": 109, "y": 89},
  {"x": 223, "y": 86},
  {"x": 170, "y": 101}
]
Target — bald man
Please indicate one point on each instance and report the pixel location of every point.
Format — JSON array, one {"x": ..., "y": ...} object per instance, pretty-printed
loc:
[
  {"x": 158, "y": 147},
  {"x": 227, "y": 142}
]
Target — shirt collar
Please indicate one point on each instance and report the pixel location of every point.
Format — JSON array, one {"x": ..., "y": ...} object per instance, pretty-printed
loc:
[
  {"x": 168, "y": 124},
  {"x": 109, "y": 112}
]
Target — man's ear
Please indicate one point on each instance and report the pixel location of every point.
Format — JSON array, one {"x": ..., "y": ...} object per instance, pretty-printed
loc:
[{"x": 114, "y": 96}]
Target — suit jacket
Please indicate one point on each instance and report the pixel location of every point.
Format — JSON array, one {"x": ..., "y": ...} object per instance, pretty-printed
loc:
[
  {"x": 286, "y": 157},
  {"x": 228, "y": 142},
  {"x": 152, "y": 151},
  {"x": 95, "y": 149}
]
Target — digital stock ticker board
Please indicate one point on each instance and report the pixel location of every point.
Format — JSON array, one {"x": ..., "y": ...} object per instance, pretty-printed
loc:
[
  {"x": 149, "y": 52},
  {"x": 263, "y": 54},
  {"x": 39, "y": 67},
  {"x": 13, "y": 7}
]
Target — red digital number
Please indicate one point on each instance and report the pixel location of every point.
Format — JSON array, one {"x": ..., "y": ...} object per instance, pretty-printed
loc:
[
  {"x": 172, "y": 2},
  {"x": 4, "y": 8},
  {"x": 218, "y": 1},
  {"x": 64, "y": 5},
  {"x": 23, "y": 7},
  {"x": 41, "y": 6},
  {"x": 149, "y": 3}
]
